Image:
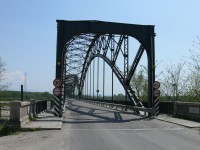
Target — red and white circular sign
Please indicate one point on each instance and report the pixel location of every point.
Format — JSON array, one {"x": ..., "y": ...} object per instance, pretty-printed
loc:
[
  {"x": 57, "y": 82},
  {"x": 156, "y": 85},
  {"x": 156, "y": 93},
  {"x": 57, "y": 91}
]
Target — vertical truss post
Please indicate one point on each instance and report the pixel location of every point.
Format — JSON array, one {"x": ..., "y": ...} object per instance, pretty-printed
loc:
[
  {"x": 87, "y": 85},
  {"x": 153, "y": 70},
  {"x": 151, "y": 74},
  {"x": 58, "y": 100},
  {"x": 64, "y": 78},
  {"x": 85, "y": 89},
  {"x": 103, "y": 78},
  {"x": 126, "y": 60},
  {"x": 98, "y": 78},
  {"x": 93, "y": 75},
  {"x": 112, "y": 58},
  {"x": 74, "y": 90},
  {"x": 90, "y": 81}
]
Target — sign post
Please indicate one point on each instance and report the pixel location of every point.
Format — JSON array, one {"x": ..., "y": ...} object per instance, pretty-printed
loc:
[
  {"x": 57, "y": 91},
  {"x": 156, "y": 95}
]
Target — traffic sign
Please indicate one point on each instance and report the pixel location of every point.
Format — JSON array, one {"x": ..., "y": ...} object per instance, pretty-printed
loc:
[
  {"x": 57, "y": 91},
  {"x": 156, "y": 85},
  {"x": 156, "y": 93},
  {"x": 57, "y": 82}
]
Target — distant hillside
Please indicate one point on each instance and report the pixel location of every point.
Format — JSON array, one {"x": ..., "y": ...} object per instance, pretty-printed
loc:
[{"x": 16, "y": 95}]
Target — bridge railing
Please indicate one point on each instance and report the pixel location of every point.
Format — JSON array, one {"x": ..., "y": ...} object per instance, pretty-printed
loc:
[
  {"x": 120, "y": 106},
  {"x": 186, "y": 110},
  {"x": 21, "y": 112}
]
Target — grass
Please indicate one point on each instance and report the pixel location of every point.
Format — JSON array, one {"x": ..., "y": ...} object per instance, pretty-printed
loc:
[{"x": 4, "y": 131}]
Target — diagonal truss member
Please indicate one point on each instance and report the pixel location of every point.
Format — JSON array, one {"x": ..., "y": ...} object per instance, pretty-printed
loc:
[{"x": 79, "y": 42}]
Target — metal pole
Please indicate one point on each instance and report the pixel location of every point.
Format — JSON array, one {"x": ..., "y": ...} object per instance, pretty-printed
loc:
[
  {"x": 98, "y": 79},
  {"x": 112, "y": 85},
  {"x": 151, "y": 75},
  {"x": 93, "y": 76},
  {"x": 126, "y": 59},
  {"x": 22, "y": 93},
  {"x": 90, "y": 81},
  {"x": 112, "y": 54},
  {"x": 103, "y": 78},
  {"x": 64, "y": 79},
  {"x": 87, "y": 85},
  {"x": 85, "y": 89}
]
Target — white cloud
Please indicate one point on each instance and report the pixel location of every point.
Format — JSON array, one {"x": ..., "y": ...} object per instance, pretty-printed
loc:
[
  {"x": 19, "y": 75},
  {"x": 15, "y": 79}
]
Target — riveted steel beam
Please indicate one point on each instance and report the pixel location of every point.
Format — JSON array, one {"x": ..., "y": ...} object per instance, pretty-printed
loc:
[
  {"x": 79, "y": 42},
  {"x": 134, "y": 64}
]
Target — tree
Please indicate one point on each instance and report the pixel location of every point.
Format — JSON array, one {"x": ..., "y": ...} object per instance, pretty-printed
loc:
[
  {"x": 173, "y": 84},
  {"x": 194, "y": 65},
  {"x": 139, "y": 83},
  {"x": 3, "y": 86}
]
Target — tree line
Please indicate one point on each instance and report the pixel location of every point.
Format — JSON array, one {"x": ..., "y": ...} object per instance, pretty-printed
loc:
[{"x": 16, "y": 95}]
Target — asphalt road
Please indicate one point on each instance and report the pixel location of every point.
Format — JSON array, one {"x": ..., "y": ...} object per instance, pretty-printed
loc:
[{"x": 89, "y": 127}]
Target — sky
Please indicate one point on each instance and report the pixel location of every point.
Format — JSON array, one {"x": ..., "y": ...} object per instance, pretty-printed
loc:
[{"x": 28, "y": 32}]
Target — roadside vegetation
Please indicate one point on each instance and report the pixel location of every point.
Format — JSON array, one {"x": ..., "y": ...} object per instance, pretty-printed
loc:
[
  {"x": 16, "y": 95},
  {"x": 4, "y": 131}
]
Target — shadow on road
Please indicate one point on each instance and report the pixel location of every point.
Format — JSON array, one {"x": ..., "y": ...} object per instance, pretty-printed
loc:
[{"x": 96, "y": 115}]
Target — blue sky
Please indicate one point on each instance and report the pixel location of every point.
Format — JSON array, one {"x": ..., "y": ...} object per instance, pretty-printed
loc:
[{"x": 28, "y": 31}]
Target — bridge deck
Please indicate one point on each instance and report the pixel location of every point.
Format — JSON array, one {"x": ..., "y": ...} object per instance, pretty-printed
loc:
[{"x": 89, "y": 127}]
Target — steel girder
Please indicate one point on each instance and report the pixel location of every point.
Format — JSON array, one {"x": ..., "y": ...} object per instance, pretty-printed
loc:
[
  {"x": 71, "y": 83},
  {"x": 98, "y": 48},
  {"x": 79, "y": 42}
]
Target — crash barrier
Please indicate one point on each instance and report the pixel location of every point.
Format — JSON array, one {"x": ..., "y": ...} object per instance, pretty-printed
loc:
[
  {"x": 21, "y": 112},
  {"x": 120, "y": 106},
  {"x": 187, "y": 110}
]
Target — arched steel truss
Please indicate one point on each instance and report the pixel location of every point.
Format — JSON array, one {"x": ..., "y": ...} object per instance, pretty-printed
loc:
[{"x": 79, "y": 42}]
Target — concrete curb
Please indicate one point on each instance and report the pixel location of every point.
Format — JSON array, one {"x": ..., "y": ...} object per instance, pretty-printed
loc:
[{"x": 182, "y": 122}]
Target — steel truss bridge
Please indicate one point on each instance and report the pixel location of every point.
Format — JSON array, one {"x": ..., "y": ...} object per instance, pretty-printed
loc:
[{"x": 80, "y": 42}]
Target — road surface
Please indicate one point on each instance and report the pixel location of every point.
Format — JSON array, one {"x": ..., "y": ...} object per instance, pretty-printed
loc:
[{"x": 89, "y": 127}]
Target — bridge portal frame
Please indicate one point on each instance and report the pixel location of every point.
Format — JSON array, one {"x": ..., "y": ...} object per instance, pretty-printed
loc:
[{"x": 66, "y": 30}]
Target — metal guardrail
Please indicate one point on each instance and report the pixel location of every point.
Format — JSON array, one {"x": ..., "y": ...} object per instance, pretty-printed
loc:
[
  {"x": 36, "y": 106},
  {"x": 120, "y": 106},
  {"x": 41, "y": 106}
]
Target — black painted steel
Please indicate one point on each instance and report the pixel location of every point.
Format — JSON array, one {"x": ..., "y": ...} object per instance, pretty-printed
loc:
[
  {"x": 134, "y": 64},
  {"x": 79, "y": 42}
]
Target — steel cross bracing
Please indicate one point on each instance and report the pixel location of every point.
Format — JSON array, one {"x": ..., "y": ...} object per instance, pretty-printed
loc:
[
  {"x": 75, "y": 54},
  {"x": 84, "y": 48},
  {"x": 79, "y": 42}
]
